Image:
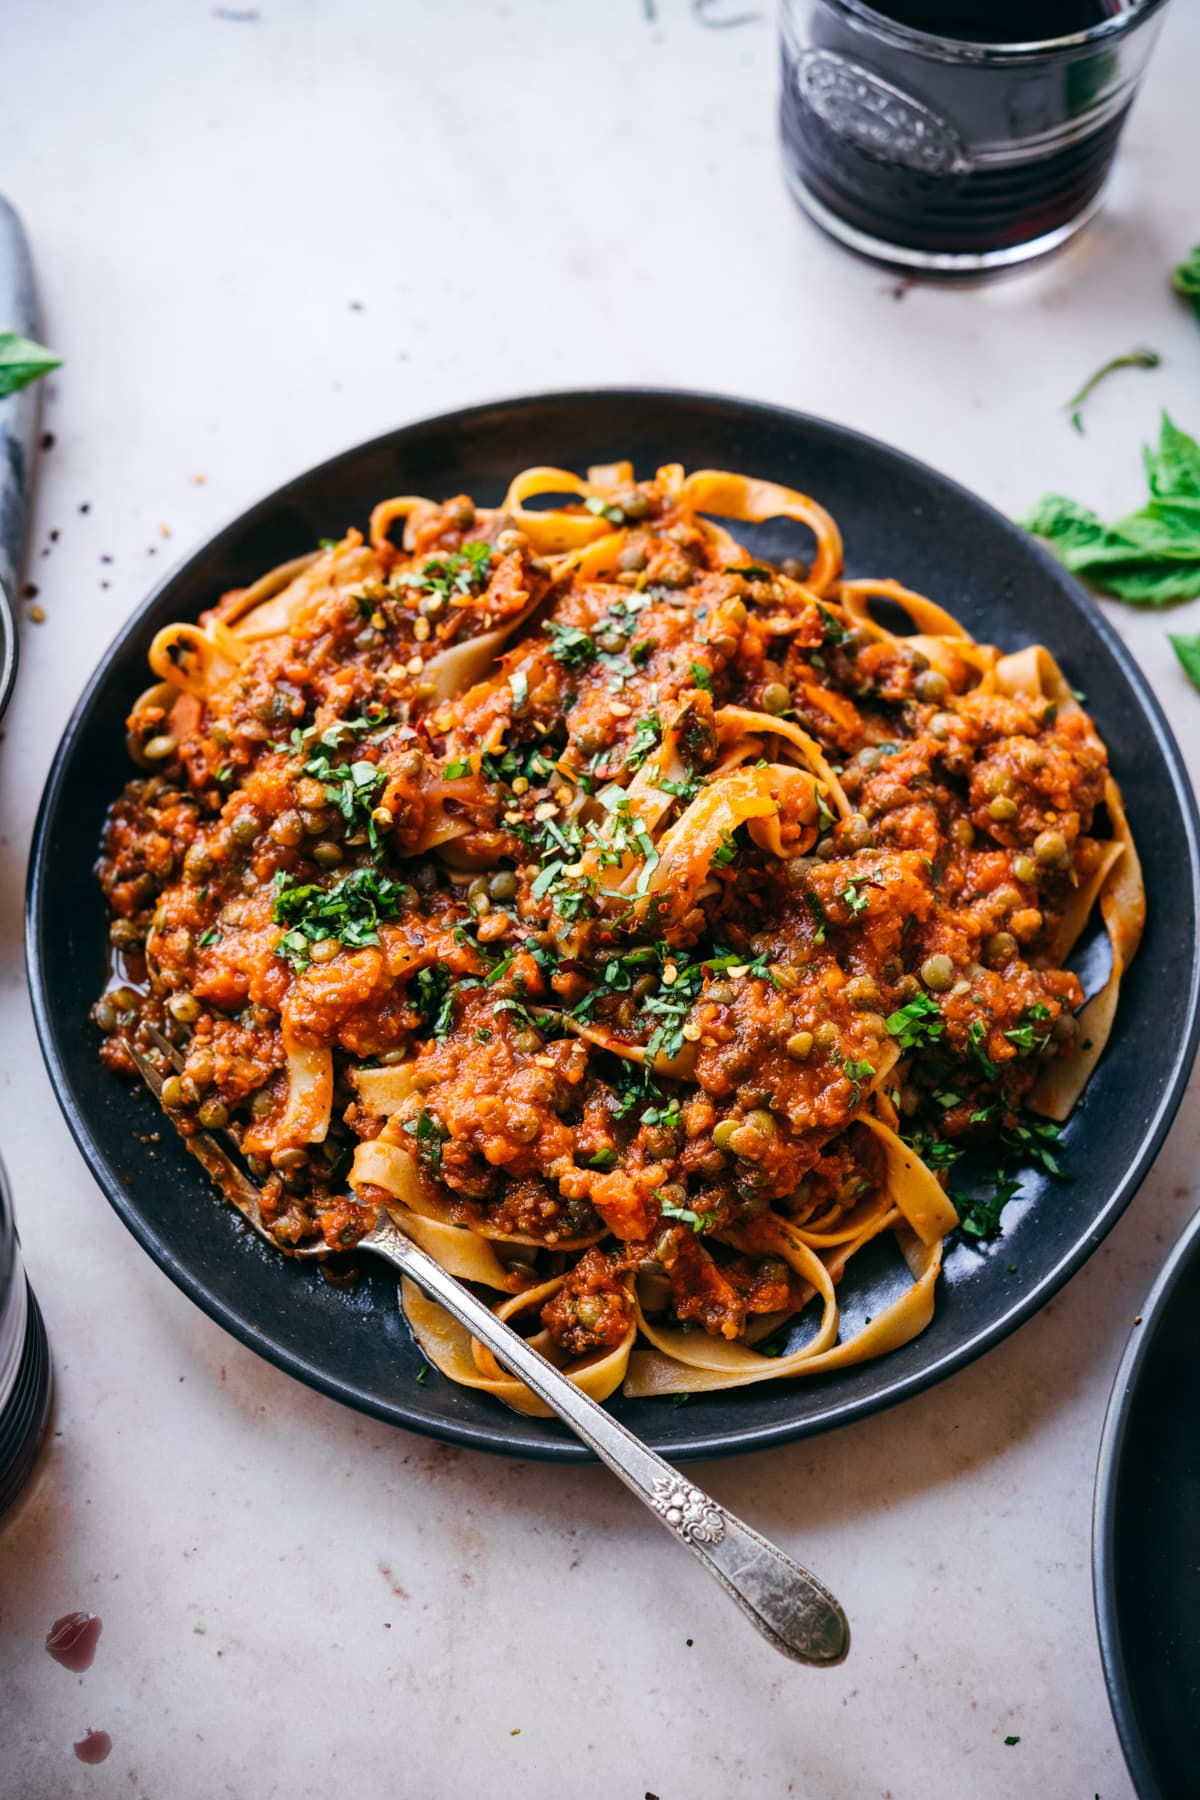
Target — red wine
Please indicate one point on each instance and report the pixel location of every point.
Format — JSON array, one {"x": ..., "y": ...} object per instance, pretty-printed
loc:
[
  {"x": 893, "y": 144},
  {"x": 1000, "y": 21},
  {"x": 94, "y": 1747},
  {"x": 72, "y": 1640}
]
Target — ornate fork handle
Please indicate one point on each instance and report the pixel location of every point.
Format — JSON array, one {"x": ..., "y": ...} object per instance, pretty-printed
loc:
[{"x": 783, "y": 1601}]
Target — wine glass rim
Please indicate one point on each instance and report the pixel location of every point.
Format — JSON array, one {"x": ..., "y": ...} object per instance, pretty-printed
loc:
[{"x": 963, "y": 49}]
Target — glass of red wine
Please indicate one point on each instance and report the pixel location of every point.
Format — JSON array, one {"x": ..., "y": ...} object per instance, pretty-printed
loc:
[{"x": 957, "y": 136}]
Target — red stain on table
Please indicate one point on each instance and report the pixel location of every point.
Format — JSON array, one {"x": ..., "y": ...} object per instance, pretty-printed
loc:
[
  {"x": 93, "y": 1748},
  {"x": 72, "y": 1641}
]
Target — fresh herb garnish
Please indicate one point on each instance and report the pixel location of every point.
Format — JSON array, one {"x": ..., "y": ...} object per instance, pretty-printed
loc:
[
  {"x": 623, "y": 834},
  {"x": 702, "y": 677},
  {"x": 647, "y": 734},
  {"x": 976, "y": 1038},
  {"x": 979, "y": 1216},
  {"x": 570, "y": 645},
  {"x": 429, "y": 1140},
  {"x": 505, "y": 766},
  {"x": 726, "y": 850},
  {"x": 1132, "y": 359},
  {"x": 937, "y": 1151},
  {"x": 686, "y": 789},
  {"x": 604, "y": 509},
  {"x": 1185, "y": 278},
  {"x": 1031, "y": 1140},
  {"x": 853, "y": 897},
  {"x": 732, "y": 962},
  {"x": 857, "y": 1073},
  {"x": 918, "y": 1022},
  {"x": 458, "y": 573},
  {"x": 23, "y": 361},
  {"x": 1187, "y": 649},
  {"x": 1150, "y": 557},
  {"x": 1025, "y": 1034},
  {"x": 433, "y": 989},
  {"x": 818, "y": 912},
  {"x": 372, "y": 722},
  {"x": 354, "y": 788},
  {"x": 1034, "y": 1140},
  {"x": 351, "y": 911},
  {"x": 622, "y": 615},
  {"x": 669, "y": 1116},
  {"x": 698, "y": 1221},
  {"x": 833, "y": 631},
  {"x": 519, "y": 683}
]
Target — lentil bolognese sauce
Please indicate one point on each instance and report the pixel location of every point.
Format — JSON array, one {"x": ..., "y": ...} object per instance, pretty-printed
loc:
[{"x": 648, "y": 928}]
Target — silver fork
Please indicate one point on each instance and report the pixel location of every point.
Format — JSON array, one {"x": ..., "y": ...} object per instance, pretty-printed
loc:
[{"x": 790, "y": 1607}]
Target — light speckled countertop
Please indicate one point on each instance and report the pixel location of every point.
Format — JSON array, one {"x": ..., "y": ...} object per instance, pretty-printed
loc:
[{"x": 261, "y": 239}]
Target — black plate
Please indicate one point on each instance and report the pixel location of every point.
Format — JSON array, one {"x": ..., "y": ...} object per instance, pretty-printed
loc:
[
  {"x": 1146, "y": 1535},
  {"x": 899, "y": 518}
]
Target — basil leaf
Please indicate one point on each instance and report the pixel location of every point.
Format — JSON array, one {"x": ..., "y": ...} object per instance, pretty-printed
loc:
[
  {"x": 1187, "y": 649},
  {"x": 1173, "y": 471},
  {"x": 23, "y": 361},
  {"x": 1150, "y": 557},
  {"x": 1185, "y": 278}
]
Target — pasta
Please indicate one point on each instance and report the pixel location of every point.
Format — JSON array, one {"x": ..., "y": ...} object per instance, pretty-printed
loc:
[{"x": 649, "y": 928}]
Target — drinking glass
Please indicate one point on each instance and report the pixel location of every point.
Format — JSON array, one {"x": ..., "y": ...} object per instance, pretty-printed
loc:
[{"x": 947, "y": 150}]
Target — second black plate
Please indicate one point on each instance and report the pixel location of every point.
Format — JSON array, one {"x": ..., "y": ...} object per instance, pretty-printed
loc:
[
  {"x": 899, "y": 518},
  {"x": 1146, "y": 1541}
]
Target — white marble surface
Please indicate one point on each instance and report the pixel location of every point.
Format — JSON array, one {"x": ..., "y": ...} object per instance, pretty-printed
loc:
[{"x": 295, "y": 1600}]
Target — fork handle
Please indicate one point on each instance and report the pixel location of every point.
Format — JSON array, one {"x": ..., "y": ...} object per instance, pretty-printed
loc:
[{"x": 790, "y": 1607}]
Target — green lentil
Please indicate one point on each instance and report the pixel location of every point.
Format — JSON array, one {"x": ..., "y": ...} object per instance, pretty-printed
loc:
[
  {"x": 930, "y": 686},
  {"x": 1050, "y": 849}
]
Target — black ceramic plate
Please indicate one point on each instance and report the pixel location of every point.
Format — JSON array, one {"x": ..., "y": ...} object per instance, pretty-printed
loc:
[
  {"x": 1146, "y": 1536},
  {"x": 899, "y": 518}
]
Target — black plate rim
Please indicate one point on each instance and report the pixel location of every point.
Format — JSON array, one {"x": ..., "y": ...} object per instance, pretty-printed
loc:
[
  {"x": 1117, "y": 1422},
  {"x": 711, "y": 1442}
]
